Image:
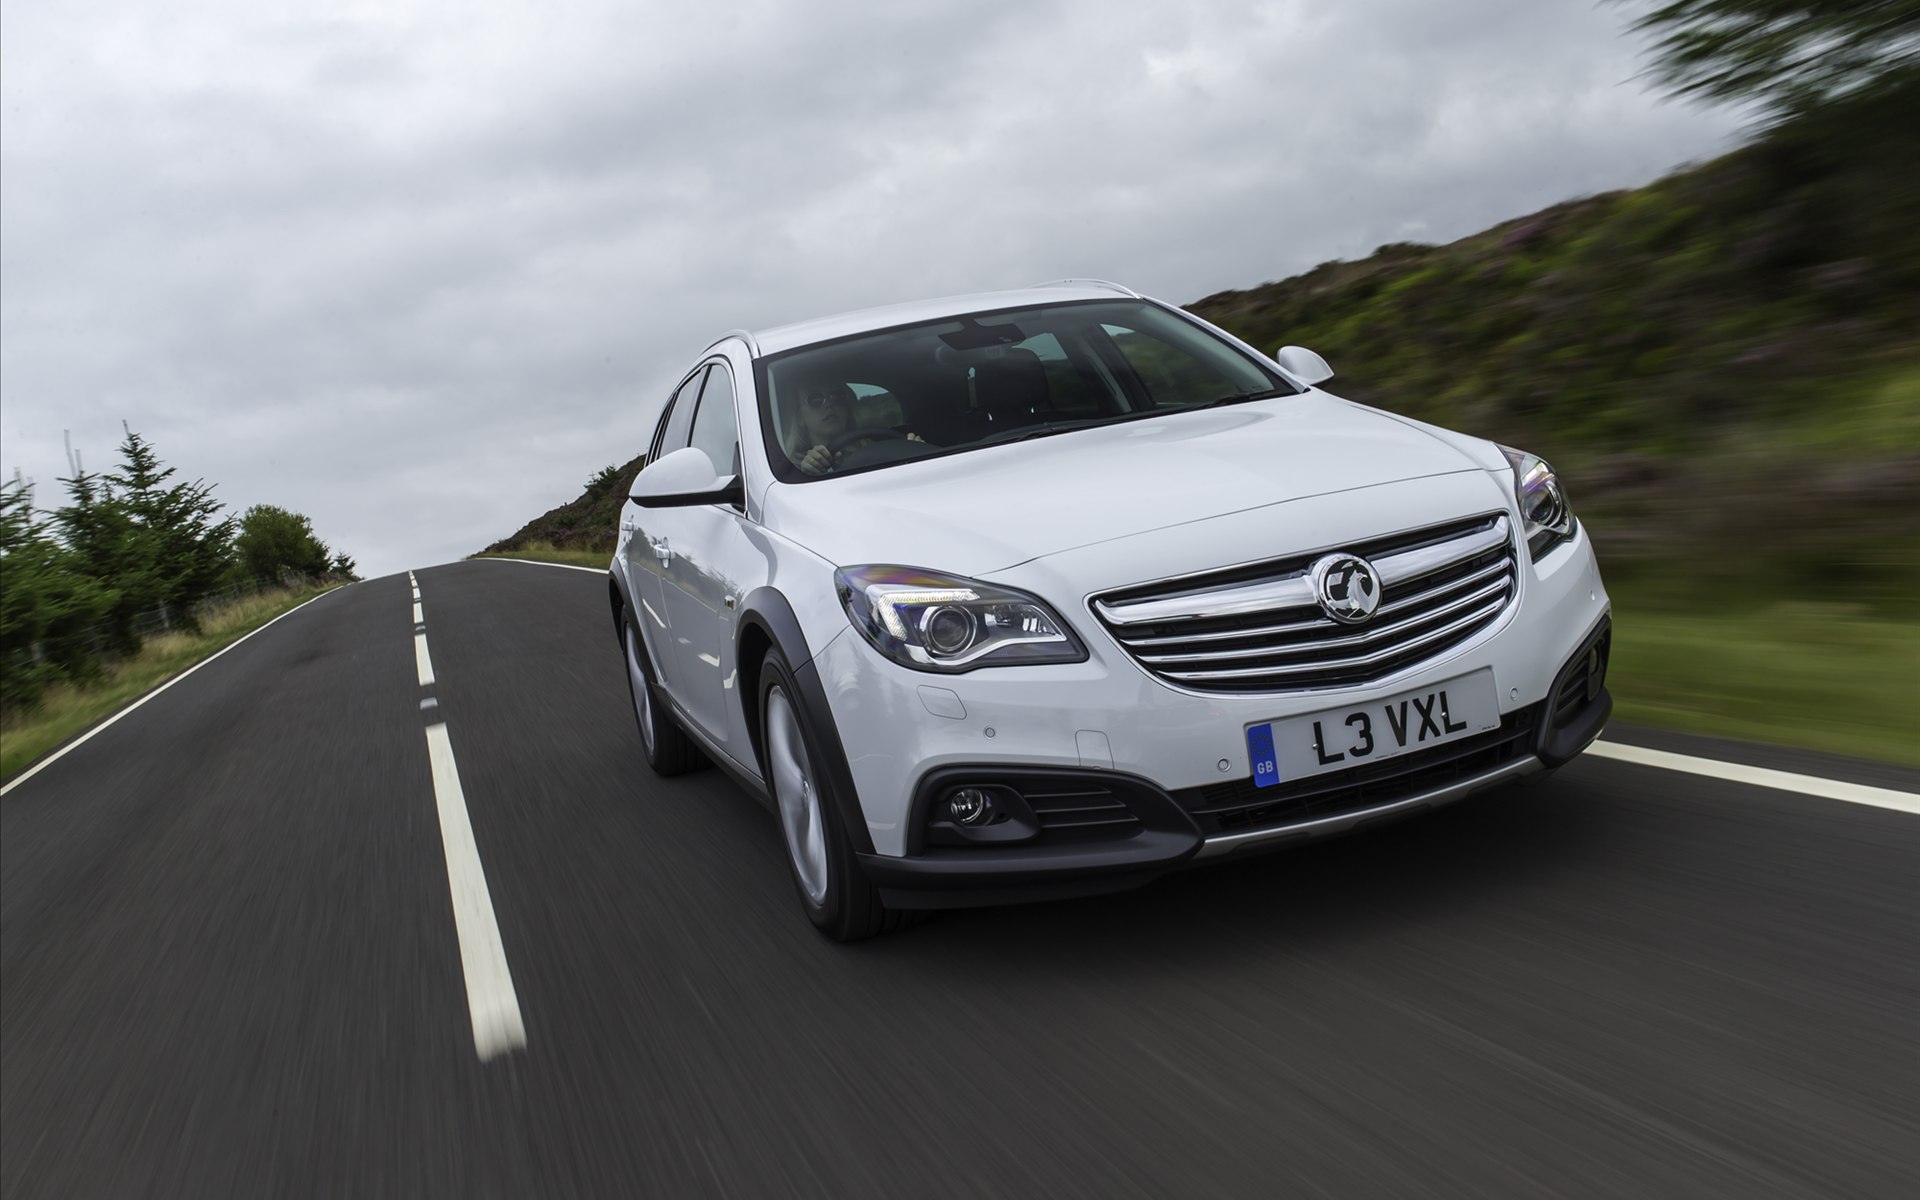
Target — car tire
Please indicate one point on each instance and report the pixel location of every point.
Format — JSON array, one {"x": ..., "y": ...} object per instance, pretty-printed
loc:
[
  {"x": 833, "y": 890},
  {"x": 669, "y": 750}
]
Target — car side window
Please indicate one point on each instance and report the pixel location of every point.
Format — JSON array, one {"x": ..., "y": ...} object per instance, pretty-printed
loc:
[
  {"x": 679, "y": 419},
  {"x": 716, "y": 429}
]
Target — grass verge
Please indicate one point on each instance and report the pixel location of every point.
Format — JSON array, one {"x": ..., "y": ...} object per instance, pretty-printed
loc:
[
  {"x": 547, "y": 552},
  {"x": 68, "y": 710},
  {"x": 1832, "y": 677}
]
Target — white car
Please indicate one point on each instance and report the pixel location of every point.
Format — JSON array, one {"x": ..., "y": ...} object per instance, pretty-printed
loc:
[{"x": 1048, "y": 592}]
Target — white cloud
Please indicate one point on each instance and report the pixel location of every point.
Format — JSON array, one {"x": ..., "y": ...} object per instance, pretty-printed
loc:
[{"x": 418, "y": 269}]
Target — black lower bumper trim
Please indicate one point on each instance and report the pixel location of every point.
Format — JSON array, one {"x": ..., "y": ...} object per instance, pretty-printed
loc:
[
  {"x": 1579, "y": 704},
  {"x": 952, "y": 878}
]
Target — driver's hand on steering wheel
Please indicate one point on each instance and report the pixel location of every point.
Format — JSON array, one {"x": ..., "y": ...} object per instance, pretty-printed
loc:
[{"x": 817, "y": 461}]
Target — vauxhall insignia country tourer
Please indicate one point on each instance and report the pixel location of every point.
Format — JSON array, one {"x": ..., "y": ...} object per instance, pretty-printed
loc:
[{"x": 1048, "y": 592}]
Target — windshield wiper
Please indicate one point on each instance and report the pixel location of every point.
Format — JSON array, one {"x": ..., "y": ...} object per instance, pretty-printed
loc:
[
  {"x": 1239, "y": 398},
  {"x": 1048, "y": 430},
  {"x": 1039, "y": 431}
]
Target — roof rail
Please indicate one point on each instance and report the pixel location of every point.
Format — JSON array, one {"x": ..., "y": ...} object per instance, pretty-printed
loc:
[
  {"x": 1100, "y": 283},
  {"x": 753, "y": 347}
]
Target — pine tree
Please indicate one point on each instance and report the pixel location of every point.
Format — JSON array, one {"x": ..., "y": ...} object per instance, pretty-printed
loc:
[
  {"x": 98, "y": 538},
  {"x": 180, "y": 550},
  {"x": 47, "y": 606}
]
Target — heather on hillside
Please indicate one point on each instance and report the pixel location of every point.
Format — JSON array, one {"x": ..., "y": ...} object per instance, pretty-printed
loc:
[{"x": 1725, "y": 363}]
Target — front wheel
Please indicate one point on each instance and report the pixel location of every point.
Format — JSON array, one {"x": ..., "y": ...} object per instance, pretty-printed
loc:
[{"x": 833, "y": 889}]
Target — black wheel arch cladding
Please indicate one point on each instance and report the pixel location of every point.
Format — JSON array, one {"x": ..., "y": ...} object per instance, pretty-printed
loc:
[{"x": 767, "y": 619}]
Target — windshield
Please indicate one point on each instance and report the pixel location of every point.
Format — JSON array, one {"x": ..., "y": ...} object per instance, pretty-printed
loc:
[{"x": 949, "y": 386}]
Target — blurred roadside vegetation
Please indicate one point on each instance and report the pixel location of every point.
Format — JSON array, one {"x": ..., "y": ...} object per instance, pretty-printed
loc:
[
  {"x": 65, "y": 709},
  {"x": 1724, "y": 365},
  {"x": 132, "y": 554}
]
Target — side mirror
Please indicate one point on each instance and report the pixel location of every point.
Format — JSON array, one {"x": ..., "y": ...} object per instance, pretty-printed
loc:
[
  {"x": 683, "y": 479},
  {"x": 1303, "y": 364}
]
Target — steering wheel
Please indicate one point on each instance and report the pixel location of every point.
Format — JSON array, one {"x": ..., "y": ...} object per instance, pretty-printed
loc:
[{"x": 839, "y": 444}]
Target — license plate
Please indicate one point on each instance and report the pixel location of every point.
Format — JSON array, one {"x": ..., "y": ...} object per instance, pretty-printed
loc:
[{"x": 1336, "y": 738}]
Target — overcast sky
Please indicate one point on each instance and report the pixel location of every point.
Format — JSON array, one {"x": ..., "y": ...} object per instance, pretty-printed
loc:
[{"x": 418, "y": 269}]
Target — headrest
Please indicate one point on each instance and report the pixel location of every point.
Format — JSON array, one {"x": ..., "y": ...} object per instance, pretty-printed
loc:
[{"x": 1012, "y": 382}]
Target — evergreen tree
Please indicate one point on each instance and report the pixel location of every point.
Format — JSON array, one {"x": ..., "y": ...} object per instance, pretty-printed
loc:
[
  {"x": 180, "y": 550},
  {"x": 46, "y": 606},
  {"x": 97, "y": 536},
  {"x": 1791, "y": 56}
]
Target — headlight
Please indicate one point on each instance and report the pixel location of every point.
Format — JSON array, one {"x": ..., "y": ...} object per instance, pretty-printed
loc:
[
  {"x": 1546, "y": 519},
  {"x": 946, "y": 623}
]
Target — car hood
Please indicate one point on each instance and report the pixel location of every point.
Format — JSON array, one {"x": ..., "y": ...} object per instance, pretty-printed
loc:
[{"x": 989, "y": 509}]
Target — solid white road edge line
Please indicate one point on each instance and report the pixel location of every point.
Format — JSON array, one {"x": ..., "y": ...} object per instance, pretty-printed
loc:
[
  {"x": 1785, "y": 781},
  {"x": 421, "y": 661},
  {"x": 491, "y": 1004},
  {"x": 534, "y": 562},
  {"x": 86, "y": 737}
]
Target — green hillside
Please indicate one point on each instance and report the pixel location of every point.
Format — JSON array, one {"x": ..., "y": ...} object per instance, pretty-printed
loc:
[
  {"x": 583, "y": 529},
  {"x": 1725, "y": 363}
]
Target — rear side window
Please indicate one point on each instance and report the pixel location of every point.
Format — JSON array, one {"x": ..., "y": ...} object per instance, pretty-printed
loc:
[{"x": 716, "y": 430}]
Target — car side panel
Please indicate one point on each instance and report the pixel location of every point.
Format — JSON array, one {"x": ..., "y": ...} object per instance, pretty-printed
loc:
[{"x": 634, "y": 558}]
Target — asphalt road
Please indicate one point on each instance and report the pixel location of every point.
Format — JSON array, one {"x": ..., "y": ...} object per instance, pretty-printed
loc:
[{"x": 229, "y": 967}]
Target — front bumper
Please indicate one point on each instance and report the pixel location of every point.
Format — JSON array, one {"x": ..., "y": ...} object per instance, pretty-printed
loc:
[
  {"x": 1173, "y": 831},
  {"x": 1108, "y": 724}
]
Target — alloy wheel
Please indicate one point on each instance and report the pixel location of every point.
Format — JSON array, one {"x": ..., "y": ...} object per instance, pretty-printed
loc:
[{"x": 797, "y": 797}]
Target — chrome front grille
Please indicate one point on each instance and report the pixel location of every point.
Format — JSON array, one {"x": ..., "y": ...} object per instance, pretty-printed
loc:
[{"x": 1259, "y": 628}]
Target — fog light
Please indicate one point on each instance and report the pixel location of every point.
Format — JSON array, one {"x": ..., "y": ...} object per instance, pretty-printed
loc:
[{"x": 969, "y": 806}]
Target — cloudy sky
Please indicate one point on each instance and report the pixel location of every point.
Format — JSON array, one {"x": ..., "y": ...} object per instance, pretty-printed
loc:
[{"x": 418, "y": 269}]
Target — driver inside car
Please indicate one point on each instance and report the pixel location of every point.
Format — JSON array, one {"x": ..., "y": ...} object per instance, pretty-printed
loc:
[{"x": 828, "y": 429}]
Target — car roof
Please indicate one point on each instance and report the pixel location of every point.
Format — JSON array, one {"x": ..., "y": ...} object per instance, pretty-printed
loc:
[{"x": 825, "y": 329}]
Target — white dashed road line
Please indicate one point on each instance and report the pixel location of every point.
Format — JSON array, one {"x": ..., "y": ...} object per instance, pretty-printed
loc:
[
  {"x": 422, "y": 661},
  {"x": 492, "y": 1005},
  {"x": 491, "y": 1002},
  {"x": 1785, "y": 781}
]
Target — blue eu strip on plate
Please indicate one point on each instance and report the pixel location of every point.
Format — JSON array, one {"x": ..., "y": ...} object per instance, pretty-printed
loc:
[{"x": 1266, "y": 769}]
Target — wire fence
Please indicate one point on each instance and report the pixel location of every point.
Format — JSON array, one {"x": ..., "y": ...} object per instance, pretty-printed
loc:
[{"x": 167, "y": 618}]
